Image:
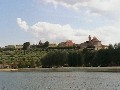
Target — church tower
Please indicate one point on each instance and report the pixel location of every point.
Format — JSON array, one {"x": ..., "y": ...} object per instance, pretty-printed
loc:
[{"x": 89, "y": 38}]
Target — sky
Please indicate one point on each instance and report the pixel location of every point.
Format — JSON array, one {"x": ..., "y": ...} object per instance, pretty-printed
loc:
[{"x": 59, "y": 20}]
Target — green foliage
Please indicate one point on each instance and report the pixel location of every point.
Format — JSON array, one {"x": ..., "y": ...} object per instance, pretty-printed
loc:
[
  {"x": 54, "y": 58},
  {"x": 75, "y": 58},
  {"x": 88, "y": 58},
  {"x": 60, "y": 56},
  {"x": 110, "y": 46},
  {"x": 26, "y": 45},
  {"x": 101, "y": 58},
  {"x": 46, "y": 44},
  {"x": 62, "y": 48},
  {"x": 1, "y": 62},
  {"x": 17, "y": 58}
]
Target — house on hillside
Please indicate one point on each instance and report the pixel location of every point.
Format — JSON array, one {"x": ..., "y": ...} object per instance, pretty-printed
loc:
[
  {"x": 93, "y": 44},
  {"x": 52, "y": 45},
  {"x": 10, "y": 47},
  {"x": 18, "y": 46},
  {"x": 68, "y": 43}
]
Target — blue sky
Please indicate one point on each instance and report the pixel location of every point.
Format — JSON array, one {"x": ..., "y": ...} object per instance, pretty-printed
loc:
[{"x": 58, "y": 20}]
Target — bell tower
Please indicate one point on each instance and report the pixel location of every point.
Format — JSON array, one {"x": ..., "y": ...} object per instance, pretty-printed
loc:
[{"x": 89, "y": 38}]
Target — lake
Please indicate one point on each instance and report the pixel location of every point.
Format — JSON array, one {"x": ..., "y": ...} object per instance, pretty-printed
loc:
[{"x": 59, "y": 81}]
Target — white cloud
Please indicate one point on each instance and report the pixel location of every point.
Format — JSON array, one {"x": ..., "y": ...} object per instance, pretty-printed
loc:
[
  {"x": 22, "y": 24},
  {"x": 57, "y": 33},
  {"x": 93, "y": 6},
  {"x": 53, "y": 32},
  {"x": 73, "y": 4}
]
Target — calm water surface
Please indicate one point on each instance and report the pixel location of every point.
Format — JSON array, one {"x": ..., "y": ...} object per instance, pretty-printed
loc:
[{"x": 59, "y": 81}]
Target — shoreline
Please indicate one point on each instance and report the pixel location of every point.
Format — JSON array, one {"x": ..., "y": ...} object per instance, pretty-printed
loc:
[
  {"x": 8, "y": 70},
  {"x": 65, "y": 69}
]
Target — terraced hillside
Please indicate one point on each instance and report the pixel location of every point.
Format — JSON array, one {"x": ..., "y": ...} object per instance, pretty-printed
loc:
[{"x": 31, "y": 58}]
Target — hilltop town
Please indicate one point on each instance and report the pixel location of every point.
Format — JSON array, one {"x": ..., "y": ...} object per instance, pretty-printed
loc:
[
  {"x": 91, "y": 44},
  {"x": 91, "y": 53}
]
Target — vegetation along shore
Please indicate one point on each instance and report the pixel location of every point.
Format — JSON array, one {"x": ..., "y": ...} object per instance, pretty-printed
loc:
[{"x": 44, "y": 56}]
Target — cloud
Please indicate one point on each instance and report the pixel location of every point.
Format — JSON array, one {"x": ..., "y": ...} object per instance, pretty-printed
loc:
[
  {"x": 73, "y": 4},
  {"x": 57, "y": 33},
  {"x": 93, "y": 6},
  {"x": 22, "y": 24},
  {"x": 53, "y": 32}
]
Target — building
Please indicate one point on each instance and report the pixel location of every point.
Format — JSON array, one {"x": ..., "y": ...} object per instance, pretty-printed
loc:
[
  {"x": 10, "y": 47},
  {"x": 62, "y": 44},
  {"x": 93, "y": 43},
  {"x": 18, "y": 46},
  {"x": 52, "y": 45},
  {"x": 68, "y": 43}
]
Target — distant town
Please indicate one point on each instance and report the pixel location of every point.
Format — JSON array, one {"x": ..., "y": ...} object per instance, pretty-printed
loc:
[
  {"x": 91, "y": 53},
  {"x": 91, "y": 43}
]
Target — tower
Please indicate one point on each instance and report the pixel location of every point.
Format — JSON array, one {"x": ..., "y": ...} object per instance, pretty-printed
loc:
[{"x": 89, "y": 38}]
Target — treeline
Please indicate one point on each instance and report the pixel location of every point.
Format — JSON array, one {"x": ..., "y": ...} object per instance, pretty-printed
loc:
[
  {"x": 73, "y": 58},
  {"x": 108, "y": 57},
  {"x": 47, "y": 57},
  {"x": 86, "y": 58}
]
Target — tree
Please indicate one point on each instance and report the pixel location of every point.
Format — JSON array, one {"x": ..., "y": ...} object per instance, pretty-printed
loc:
[
  {"x": 46, "y": 44},
  {"x": 75, "y": 58},
  {"x": 21, "y": 64},
  {"x": 26, "y": 46},
  {"x": 88, "y": 58},
  {"x": 118, "y": 45},
  {"x": 54, "y": 58},
  {"x": 115, "y": 46},
  {"x": 40, "y": 45},
  {"x": 110, "y": 46},
  {"x": 103, "y": 57},
  {"x": 32, "y": 64}
]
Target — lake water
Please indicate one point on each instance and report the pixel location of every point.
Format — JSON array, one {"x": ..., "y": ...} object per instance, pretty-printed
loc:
[{"x": 59, "y": 81}]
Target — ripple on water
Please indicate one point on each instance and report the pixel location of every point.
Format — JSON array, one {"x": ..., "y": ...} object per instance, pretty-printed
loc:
[{"x": 59, "y": 81}]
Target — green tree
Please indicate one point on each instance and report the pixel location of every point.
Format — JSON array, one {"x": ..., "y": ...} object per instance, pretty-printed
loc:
[
  {"x": 88, "y": 58},
  {"x": 46, "y": 44},
  {"x": 103, "y": 57},
  {"x": 26, "y": 46},
  {"x": 110, "y": 46},
  {"x": 115, "y": 46},
  {"x": 75, "y": 58},
  {"x": 32, "y": 64},
  {"x": 54, "y": 58},
  {"x": 118, "y": 45}
]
